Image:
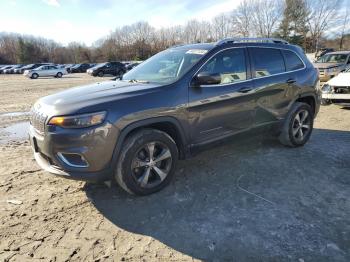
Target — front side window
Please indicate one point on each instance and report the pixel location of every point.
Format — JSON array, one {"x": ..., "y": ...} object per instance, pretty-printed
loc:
[
  {"x": 166, "y": 67},
  {"x": 230, "y": 64},
  {"x": 267, "y": 61},
  {"x": 293, "y": 62}
]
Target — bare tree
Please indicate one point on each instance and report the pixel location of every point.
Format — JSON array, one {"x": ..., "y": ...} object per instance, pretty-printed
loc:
[
  {"x": 221, "y": 26},
  {"x": 344, "y": 28},
  {"x": 322, "y": 15},
  {"x": 241, "y": 19},
  {"x": 265, "y": 15}
]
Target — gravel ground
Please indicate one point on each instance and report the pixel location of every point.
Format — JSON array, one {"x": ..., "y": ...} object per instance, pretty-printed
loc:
[{"x": 252, "y": 200}]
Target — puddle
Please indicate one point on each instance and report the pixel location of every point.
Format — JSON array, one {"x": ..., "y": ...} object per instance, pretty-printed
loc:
[
  {"x": 14, "y": 114},
  {"x": 17, "y": 132}
]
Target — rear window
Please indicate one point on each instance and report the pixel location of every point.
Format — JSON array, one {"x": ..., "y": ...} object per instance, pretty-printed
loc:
[
  {"x": 267, "y": 61},
  {"x": 293, "y": 62}
]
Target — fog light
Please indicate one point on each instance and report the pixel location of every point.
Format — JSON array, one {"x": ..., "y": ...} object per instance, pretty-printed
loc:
[{"x": 73, "y": 159}]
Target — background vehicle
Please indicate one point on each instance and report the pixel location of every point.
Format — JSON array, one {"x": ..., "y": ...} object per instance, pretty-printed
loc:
[
  {"x": 11, "y": 69},
  {"x": 80, "y": 68},
  {"x": 132, "y": 65},
  {"x": 28, "y": 67},
  {"x": 45, "y": 70},
  {"x": 68, "y": 67},
  {"x": 109, "y": 68},
  {"x": 179, "y": 101},
  {"x": 323, "y": 51},
  {"x": 331, "y": 64},
  {"x": 337, "y": 90},
  {"x": 2, "y": 69}
]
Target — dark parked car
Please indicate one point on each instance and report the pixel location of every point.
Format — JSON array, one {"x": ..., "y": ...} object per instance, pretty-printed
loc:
[
  {"x": 132, "y": 66},
  {"x": 80, "y": 68},
  {"x": 109, "y": 68},
  {"x": 135, "y": 129}
]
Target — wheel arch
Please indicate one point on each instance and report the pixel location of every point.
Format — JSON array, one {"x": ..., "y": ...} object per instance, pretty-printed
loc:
[
  {"x": 169, "y": 125},
  {"x": 310, "y": 100}
]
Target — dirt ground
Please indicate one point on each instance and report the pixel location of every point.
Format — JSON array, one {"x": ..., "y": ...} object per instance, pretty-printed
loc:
[{"x": 249, "y": 200}]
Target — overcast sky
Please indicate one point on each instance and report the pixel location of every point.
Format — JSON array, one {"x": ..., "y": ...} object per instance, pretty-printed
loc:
[{"x": 88, "y": 20}]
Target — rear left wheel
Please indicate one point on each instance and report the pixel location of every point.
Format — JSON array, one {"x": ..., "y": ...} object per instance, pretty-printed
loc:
[
  {"x": 59, "y": 75},
  {"x": 147, "y": 161},
  {"x": 298, "y": 125}
]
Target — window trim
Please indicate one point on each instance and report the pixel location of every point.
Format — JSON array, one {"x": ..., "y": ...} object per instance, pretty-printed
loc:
[
  {"x": 247, "y": 65},
  {"x": 253, "y": 65},
  {"x": 285, "y": 60},
  {"x": 286, "y": 72}
]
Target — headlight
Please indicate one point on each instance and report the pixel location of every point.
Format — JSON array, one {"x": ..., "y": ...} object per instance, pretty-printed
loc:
[
  {"x": 332, "y": 70},
  {"x": 78, "y": 121},
  {"x": 326, "y": 88}
]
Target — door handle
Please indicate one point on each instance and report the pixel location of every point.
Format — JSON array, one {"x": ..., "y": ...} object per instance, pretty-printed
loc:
[
  {"x": 245, "y": 89},
  {"x": 290, "y": 81}
]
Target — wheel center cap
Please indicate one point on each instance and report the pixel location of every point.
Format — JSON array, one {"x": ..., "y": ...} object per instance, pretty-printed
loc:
[{"x": 151, "y": 163}]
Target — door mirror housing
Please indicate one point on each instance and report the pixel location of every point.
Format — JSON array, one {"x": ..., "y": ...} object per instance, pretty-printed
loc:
[{"x": 206, "y": 78}]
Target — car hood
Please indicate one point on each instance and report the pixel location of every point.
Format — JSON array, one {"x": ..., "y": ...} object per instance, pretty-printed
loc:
[
  {"x": 343, "y": 79},
  {"x": 327, "y": 65},
  {"x": 75, "y": 99}
]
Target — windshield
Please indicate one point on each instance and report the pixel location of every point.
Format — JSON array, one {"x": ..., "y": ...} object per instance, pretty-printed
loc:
[
  {"x": 332, "y": 58},
  {"x": 165, "y": 67}
]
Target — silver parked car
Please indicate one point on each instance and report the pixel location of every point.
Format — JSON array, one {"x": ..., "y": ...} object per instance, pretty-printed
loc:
[{"x": 45, "y": 70}]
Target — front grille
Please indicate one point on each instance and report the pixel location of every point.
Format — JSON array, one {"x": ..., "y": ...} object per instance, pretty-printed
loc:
[
  {"x": 341, "y": 89},
  {"x": 37, "y": 120}
]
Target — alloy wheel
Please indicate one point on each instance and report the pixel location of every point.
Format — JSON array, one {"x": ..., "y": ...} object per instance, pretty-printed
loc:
[
  {"x": 301, "y": 125},
  {"x": 151, "y": 164}
]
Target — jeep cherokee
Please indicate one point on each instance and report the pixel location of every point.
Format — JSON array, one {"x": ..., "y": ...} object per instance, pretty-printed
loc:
[{"x": 134, "y": 129}]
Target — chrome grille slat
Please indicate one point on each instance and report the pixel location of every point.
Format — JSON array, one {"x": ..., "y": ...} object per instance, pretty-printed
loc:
[{"x": 37, "y": 120}]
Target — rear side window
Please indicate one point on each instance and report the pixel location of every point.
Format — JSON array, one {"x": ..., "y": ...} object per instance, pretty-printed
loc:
[
  {"x": 293, "y": 61},
  {"x": 267, "y": 61}
]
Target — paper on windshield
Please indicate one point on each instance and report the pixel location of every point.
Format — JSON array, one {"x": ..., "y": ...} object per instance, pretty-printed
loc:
[{"x": 197, "y": 51}]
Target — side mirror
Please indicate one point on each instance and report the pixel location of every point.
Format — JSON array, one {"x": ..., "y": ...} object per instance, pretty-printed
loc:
[{"x": 206, "y": 78}]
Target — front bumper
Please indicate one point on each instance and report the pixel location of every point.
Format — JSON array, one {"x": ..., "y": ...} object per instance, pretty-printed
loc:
[
  {"x": 339, "y": 99},
  {"x": 96, "y": 145}
]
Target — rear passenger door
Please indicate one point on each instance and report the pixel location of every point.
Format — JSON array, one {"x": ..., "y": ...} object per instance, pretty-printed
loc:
[{"x": 275, "y": 88}]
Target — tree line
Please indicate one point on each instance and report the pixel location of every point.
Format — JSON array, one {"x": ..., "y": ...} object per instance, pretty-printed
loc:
[{"x": 302, "y": 22}]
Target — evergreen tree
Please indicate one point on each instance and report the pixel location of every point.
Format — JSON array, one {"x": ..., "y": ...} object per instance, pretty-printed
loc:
[{"x": 293, "y": 27}]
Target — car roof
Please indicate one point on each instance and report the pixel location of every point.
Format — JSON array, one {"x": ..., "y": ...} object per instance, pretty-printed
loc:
[{"x": 339, "y": 53}]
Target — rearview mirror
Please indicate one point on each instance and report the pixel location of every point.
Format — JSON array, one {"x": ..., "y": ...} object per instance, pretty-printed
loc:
[{"x": 206, "y": 78}]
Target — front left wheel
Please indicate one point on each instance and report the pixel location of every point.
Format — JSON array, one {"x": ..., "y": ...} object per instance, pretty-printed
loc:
[{"x": 146, "y": 162}]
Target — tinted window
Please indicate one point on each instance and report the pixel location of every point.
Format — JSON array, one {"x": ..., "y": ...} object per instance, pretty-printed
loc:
[
  {"x": 267, "y": 61},
  {"x": 230, "y": 64},
  {"x": 293, "y": 62}
]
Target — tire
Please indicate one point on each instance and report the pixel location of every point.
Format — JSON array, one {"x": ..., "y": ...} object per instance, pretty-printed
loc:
[
  {"x": 100, "y": 74},
  {"x": 59, "y": 75},
  {"x": 34, "y": 76},
  {"x": 298, "y": 126},
  {"x": 135, "y": 173}
]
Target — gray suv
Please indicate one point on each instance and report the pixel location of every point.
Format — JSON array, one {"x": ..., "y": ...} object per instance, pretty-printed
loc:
[{"x": 135, "y": 129}]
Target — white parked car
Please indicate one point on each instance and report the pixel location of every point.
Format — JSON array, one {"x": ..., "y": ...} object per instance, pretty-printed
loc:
[
  {"x": 45, "y": 70},
  {"x": 337, "y": 90}
]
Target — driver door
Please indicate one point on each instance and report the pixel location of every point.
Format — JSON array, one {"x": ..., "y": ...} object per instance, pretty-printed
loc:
[{"x": 220, "y": 110}]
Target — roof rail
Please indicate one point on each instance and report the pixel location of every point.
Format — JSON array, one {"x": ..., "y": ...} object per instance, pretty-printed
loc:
[{"x": 251, "y": 40}]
